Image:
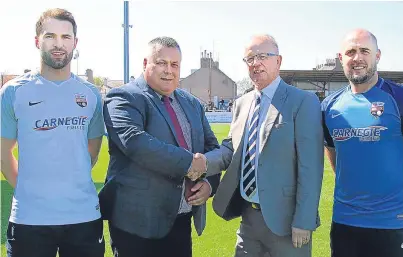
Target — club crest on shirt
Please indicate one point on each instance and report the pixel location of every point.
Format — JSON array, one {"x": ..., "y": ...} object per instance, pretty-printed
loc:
[
  {"x": 377, "y": 109},
  {"x": 81, "y": 100}
]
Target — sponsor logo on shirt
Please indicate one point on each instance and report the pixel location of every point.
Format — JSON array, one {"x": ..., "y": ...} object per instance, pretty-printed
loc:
[
  {"x": 368, "y": 134},
  {"x": 71, "y": 123}
]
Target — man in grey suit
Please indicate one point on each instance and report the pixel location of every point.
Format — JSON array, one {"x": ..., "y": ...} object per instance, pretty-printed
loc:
[
  {"x": 274, "y": 161},
  {"x": 154, "y": 129}
]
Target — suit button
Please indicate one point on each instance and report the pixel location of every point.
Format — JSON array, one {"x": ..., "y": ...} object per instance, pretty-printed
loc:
[{"x": 179, "y": 186}]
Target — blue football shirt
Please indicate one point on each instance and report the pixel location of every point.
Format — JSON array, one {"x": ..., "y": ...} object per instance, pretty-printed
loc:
[
  {"x": 52, "y": 122},
  {"x": 366, "y": 132}
]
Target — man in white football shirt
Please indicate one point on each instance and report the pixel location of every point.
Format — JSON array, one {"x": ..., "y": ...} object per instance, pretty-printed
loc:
[{"x": 56, "y": 119}]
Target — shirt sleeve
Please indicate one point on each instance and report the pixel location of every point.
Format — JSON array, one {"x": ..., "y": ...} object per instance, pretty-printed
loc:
[
  {"x": 96, "y": 128},
  {"x": 396, "y": 92},
  {"x": 8, "y": 119},
  {"x": 328, "y": 138}
]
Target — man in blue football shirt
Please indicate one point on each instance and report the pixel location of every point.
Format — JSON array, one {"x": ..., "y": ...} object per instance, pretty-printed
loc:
[
  {"x": 56, "y": 119},
  {"x": 364, "y": 144}
]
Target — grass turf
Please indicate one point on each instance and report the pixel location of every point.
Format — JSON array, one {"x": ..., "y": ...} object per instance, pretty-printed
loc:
[{"x": 218, "y": 239}]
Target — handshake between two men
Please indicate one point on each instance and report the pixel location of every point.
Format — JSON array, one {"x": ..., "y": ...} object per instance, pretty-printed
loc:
[
  {"x": 200, "y": 188},
  {"x": 198, "y": 169}
]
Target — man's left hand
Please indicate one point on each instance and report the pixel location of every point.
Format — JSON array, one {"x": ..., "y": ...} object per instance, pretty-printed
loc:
[
  {"x": 203, "y": 190},
  {"x": 300, "y": 237}
]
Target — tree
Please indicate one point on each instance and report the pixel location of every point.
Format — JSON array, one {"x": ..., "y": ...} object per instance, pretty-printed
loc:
[
  {"x": 99, "y": 81},
  {"x": 244, "y": 85}
]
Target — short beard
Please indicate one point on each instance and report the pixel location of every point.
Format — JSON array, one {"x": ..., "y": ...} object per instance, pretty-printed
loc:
[
  {"x": 356, "y": 80},
  {"x": 47, "y": 59}
]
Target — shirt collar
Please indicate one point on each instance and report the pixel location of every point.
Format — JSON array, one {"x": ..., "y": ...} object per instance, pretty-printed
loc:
[
  {"x": 378, "y": 84},
  {"x": 271, "y": 88},
  {"x": 160, "y": 96},
  {"x": 37, "y": 73}
]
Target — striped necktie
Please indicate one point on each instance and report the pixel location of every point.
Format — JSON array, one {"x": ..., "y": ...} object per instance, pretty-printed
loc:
[{"x": 249, "y": 171}]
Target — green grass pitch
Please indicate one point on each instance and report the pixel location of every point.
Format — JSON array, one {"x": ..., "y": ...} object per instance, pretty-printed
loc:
[{"x": 218, "y": 239}]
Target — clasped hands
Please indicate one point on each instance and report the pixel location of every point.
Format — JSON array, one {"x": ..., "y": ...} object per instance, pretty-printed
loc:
[
  {"x": 198, "y": 168},
  {"x": 201, "y": 190}
]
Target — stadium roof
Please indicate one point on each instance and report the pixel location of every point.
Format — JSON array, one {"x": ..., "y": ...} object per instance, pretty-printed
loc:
[{"x": 331, "y": 75}]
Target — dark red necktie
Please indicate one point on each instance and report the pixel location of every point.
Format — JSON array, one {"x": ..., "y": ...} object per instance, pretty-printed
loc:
[
  {"x": 181, "y": 138},
  {"x": 174, "y": 119}
]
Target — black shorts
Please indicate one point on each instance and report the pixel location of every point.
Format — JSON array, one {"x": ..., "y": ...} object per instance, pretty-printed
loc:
[
  {"x": 349, "y": 241},
  {"x": 75, "y": 240},
  {"x": 177, "y": 243}
]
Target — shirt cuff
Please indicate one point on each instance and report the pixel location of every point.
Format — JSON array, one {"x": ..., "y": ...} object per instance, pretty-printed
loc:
[{"x": 211, "y": 189}]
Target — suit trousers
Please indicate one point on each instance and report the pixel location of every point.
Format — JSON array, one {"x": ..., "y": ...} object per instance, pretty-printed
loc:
[
  {"x": 177, "y": 243},
  {"x": 255, "y": 239}
]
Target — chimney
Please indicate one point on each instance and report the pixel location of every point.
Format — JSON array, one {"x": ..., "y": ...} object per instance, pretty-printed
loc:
[{"x": 204, "y": 60}]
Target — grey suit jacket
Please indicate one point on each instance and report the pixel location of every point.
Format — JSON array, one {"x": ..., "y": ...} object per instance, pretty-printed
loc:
[
  {"x": 290, "y": 167},
  {"x": 143, "y": 187}
]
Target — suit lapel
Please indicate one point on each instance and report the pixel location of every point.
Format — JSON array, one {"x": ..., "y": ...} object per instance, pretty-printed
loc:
[
  {"x": 242, "y": 120},
  {"x": 275, "y": 107},
  {"x": 189, "y": 110},
  {"x": 159, "y": 104}
]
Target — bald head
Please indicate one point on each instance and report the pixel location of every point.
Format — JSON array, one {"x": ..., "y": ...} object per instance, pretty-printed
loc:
[{"x": 360, "y": 34}]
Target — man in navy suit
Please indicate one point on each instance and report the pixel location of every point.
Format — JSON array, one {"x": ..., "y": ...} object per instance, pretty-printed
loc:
[{"x": 154, "y": 128}]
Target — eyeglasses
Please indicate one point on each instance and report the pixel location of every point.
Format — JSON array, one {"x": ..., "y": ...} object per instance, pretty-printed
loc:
[{"x": 260, "y": 57}]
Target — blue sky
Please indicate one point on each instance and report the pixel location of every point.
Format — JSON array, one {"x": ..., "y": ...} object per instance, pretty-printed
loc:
[{"x": 307, "y": 32}]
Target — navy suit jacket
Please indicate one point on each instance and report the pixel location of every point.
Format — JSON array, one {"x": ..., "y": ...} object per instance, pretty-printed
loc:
[{"x": 143, "y": 187}]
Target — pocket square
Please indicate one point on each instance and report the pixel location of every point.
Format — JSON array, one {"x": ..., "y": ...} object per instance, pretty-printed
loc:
[{"x": 279, "y": 125}]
